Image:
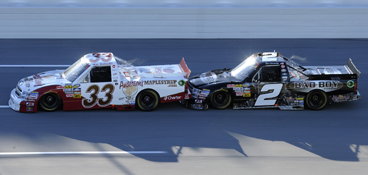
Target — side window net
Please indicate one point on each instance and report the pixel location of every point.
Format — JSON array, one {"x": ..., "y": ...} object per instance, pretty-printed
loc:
[
  {"x": 271, "y": 74},
  {"x": 101, "y": 74}
]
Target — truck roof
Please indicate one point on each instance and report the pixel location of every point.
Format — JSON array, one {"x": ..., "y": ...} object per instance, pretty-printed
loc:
[
  {"x": 101, "y": 58},
  {"x": 270, "y": 56}
]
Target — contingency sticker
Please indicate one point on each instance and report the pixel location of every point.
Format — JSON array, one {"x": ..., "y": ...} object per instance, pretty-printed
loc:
[
  {"x": 33, "y": 95},
  {"x": 77, "y": 93},
  {"x": 246, "y": 92},
  {"x": 68, "y": 89},
  {"x": 238, "y": 91},
  {"x": 204, "y": 93}
]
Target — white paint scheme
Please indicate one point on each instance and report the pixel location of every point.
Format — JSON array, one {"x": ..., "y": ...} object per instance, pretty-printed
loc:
[
  {"x": 14, "y": 101},
  {"x": 173, "y": 72},
  {"x": 49, "y": 78},
  {"x": 136, "y": 74}
]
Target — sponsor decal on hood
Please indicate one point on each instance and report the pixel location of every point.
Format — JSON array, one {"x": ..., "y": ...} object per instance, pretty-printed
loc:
[{"x": 42, "y": 79}]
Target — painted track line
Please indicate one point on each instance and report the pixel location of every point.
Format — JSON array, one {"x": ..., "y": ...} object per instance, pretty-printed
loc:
[
  {"x": 80, "y": 153},
  {"x": 4, "y": 106},
  {"x": 5, "y": 66}
]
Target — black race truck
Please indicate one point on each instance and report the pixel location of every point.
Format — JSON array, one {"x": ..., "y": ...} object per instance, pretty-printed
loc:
[{"x": 270, "y": 80}]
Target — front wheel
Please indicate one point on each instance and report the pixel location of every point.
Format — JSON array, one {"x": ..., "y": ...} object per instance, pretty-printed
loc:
[
  {"x": 50, "y": 102},
  {"x": 316, "y": 100},
  {"x": 220, "y": 100},
  {"x": 147, "y": 100}
]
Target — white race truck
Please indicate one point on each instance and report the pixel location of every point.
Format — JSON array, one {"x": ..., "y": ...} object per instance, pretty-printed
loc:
[{"x": 102, "y": 80}]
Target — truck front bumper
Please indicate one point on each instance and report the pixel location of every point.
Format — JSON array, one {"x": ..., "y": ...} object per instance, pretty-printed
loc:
[
  {"x": 14, "y": 101},
  {"x": 21, "y": 105}
]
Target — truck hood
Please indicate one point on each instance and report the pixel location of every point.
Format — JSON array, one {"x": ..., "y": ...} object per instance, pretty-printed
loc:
[
  {"x": 42, "y": 79},
  {"x": 212, "y": 77}
]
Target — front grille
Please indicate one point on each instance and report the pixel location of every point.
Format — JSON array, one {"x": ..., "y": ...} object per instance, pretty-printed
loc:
[
  {"x": 17, "y": 93},
  {"x": 18, "y": 90},
  {"x": 194, "y": 91},
  {"x": 190, "y": 85}
]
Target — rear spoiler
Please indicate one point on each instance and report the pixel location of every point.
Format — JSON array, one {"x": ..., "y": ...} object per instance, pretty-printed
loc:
[
  {"x": 352, "y": 67},
  {"x": 184, "y": 68}
]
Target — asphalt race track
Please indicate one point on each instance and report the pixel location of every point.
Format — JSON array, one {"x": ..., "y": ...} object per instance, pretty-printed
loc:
[{"x": 176, "y": 140}]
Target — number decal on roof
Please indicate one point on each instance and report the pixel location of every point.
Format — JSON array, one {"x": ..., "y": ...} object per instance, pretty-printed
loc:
[
  {"x": 105, "y": 57},
  {"x": 94, "y": 59}
]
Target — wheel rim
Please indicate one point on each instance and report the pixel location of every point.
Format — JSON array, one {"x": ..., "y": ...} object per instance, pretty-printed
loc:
[
  {"x": 317, "y": 100},
  {"x": 148, "y": 100},
  {"x": 220, "y": 98},
  {"x": 50, "y": 101}
]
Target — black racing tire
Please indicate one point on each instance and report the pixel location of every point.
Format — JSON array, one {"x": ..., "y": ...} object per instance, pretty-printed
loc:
[
  {"x": 316, "y": 100},
  {"x": 220, "y": 100},
  {"x": 147, "y": 100},
  {"x": 50, "y": 102}
]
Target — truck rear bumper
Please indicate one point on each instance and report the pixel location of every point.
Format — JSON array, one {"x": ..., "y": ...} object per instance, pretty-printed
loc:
[
  {"x": 345, "y": 97},
  {"x": 357, "y": 96}
]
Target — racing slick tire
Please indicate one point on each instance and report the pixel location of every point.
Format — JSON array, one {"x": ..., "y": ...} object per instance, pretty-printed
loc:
[
  {"x": 316, "y": 100},
  {"x": 220, "y": 100},
  {"x": 147, "y": 100},
  {"x": 50, "y": 102}
]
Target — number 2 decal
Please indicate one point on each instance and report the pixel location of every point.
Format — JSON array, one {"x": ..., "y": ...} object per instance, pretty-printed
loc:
[
  {"x": 94, "y": 90},
  {"x": 268, "y": 98}
]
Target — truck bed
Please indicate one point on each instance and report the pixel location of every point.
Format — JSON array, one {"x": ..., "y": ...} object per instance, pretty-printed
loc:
[
  {"x": 348, "y": 69},
  {"x": 327, "y": 70}
]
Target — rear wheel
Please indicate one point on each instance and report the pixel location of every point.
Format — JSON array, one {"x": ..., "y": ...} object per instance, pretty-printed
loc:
[
  {"x": 220, "y": 100},
  {"x": 50, "y": 102},
  {"x": 147, "y": 100},
  {"x": 316, "y": 100}
]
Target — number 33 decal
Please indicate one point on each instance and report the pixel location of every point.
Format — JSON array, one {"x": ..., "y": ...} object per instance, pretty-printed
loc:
[
  {"x": 94, "y": 90},
  {"x": 268, "y": 98}
]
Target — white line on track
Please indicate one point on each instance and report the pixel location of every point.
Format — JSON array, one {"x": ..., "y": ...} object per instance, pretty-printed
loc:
[
  {"x": 80, "y": 153},
  {"x": 34, "y": 66},
  {"x": 4, "y": 106}
]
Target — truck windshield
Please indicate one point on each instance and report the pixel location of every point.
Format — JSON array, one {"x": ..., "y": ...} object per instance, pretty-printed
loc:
[
  {"x": 75, "y": 70},
  {"x": 243, "y": 70}
]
